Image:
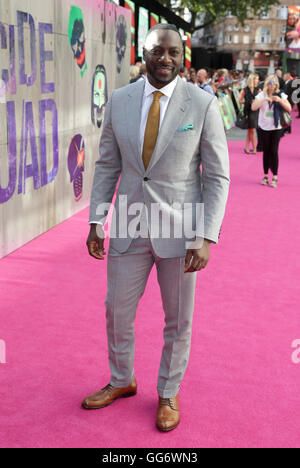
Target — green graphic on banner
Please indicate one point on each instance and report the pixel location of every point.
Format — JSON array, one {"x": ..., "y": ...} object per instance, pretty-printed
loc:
[
  {"x": 226, "y": 111},
  {"x": 231, "y": 107},
  {"x": 143, "y": 29}
]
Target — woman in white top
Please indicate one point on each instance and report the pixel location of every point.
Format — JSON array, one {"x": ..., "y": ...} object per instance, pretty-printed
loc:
[{"x": 270, "y": 102}]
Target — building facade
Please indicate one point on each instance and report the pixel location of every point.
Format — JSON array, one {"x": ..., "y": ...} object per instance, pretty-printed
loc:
[{"x": 259, "y": 44}]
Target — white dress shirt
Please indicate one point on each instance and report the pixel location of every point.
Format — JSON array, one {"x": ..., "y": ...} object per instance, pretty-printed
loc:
[{"x": 147, "y": 101}]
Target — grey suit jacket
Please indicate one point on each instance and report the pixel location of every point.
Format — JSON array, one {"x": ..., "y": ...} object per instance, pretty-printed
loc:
[{"x": 190, "y": 164}]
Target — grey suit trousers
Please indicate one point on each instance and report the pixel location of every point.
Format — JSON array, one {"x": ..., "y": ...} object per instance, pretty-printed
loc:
[{"x": 127, "y": 276}]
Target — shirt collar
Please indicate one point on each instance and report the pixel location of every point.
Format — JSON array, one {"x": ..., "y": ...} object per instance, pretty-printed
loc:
[{"x": 166, "y": 90}]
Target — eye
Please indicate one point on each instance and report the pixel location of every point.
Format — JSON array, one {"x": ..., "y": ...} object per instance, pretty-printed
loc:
[{"x": 156, "y": 52}]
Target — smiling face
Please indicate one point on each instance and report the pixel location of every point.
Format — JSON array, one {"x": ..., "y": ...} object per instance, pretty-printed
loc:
[
  {"x": 271, "y": 85},
  {"x": 292, "y": 19},
  {"x": 163, "y": 56}
]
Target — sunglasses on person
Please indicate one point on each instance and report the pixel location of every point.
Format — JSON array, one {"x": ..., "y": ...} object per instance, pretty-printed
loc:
[{"x": 272, "y": 83}]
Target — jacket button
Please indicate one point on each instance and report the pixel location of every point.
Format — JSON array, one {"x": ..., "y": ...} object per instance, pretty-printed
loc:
[{"x": 146, "y": 178}]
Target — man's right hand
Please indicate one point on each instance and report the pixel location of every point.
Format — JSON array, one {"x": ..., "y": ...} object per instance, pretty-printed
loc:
[{"x": 95, "y": 244}]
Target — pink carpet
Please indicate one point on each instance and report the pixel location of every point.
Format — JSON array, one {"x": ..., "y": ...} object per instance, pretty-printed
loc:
[{"x": 241, "y": 388}]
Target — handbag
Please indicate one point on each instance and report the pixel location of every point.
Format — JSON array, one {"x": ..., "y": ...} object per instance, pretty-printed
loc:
[
  {"x": 242, "y": 120},
  {"x": 285, "y": 119}
]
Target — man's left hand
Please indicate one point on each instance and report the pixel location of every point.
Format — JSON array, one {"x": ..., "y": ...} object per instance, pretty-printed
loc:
[{"x": 197, "y": 259}]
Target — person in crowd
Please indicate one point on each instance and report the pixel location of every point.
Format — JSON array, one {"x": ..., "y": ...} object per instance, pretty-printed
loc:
[
  {"x": 226, "y": 73},
  {"x": 278, "y": 73},
  {"x": 183, "y": 73},
  {"x": 134, "y": 73},
  {"x": 162, "y": 147},
  {"x": 202, "y": 77},
  {"x": 231, "y": 75},
  {"x": 288, "y": 89},
  {"x": 247, "y": 96},
  {"x": 270, "y": 102},
  {"x": 193, "y": 77},
  {"x": 214, "y": 83},
  {"x": 243, "y": 79},
  {"x": 221, "y": 76},
  {"x": 261, "y": 84},
  {"x": 296, "y": 90},
  {"x": 289, "y": 92},
  {"x": 143, "y": 70},
  {"x": 141, "y": 75}
]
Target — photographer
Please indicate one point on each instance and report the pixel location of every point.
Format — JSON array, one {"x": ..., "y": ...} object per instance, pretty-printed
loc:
[{"x": 270, "y": 103}]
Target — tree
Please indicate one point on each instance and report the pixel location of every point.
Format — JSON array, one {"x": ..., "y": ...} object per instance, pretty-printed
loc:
[{"x": 206, "y": 12}]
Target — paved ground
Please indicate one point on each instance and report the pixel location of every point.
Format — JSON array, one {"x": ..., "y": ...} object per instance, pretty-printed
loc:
[{"x": 236, "y": 134}]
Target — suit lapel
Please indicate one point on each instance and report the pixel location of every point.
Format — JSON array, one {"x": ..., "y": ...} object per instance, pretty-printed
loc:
[
  {"x": 133, "y": 113},
  {"x": 172, "y": 120}
]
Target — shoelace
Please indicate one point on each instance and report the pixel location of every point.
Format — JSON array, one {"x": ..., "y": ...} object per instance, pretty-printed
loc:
[
  {"x": 108, "y": 388},
  {"x": 167, "y": 402}
]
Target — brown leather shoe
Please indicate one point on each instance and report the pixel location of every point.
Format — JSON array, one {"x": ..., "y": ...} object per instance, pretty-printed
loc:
[
  {"x": 108, "y": 395},
  {"x": 168, "y": 416}
]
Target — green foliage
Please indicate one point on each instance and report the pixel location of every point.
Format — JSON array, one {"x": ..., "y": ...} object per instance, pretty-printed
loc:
[{"x": 215, "y": 11}]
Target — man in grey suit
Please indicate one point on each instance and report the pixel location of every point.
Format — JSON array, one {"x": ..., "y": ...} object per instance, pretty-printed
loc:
[{"x": 166, "y": 139}]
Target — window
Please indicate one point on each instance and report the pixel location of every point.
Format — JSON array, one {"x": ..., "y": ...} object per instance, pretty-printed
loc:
[
  {"x": 229, "y": 38},
  {"x": 246, "y": 39},
  {"x": 264, "y": 15},
  {"x": 282, "y": 12},
  {"x": 263, "y": 35},
  {"x": 236, "y": 39},
  {"x": 229, "y": 28},
  {"x": 220, "y": 38},
  {"x": 283, "y": 29},
  {"x": 246, "y": 28},
  {"x": 236, "y": 27},
  {"x": 282, "y": 41}
]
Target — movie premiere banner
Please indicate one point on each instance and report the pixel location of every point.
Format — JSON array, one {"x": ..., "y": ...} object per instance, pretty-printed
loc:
[
  {"x": 59, "y": 62},
  {"x": 293, "y": 30},
  {"x": 131, "y": 7},
  {"x": 143, "y": 29}
]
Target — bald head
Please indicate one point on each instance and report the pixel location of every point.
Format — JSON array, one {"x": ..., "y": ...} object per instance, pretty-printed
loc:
[
  {"x": 163, "y": 55},
  {"x": 202, "y": 76}
]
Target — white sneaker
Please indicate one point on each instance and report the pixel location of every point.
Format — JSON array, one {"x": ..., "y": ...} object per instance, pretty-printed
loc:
[{"x": 265, "y": 181}]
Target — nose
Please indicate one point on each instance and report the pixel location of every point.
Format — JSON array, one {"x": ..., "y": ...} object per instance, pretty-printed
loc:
[{"x": 165, "y": 58}]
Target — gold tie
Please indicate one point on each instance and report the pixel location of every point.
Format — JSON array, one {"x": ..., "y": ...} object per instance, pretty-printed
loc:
[{"x": 152, "y": 128}]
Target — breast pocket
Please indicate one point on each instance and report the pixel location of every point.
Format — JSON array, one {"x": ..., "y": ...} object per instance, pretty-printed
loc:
[{"x": 185, "y": 139}]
